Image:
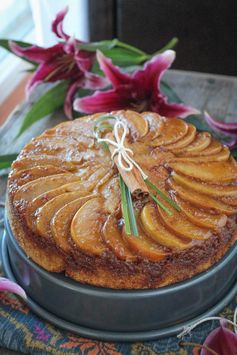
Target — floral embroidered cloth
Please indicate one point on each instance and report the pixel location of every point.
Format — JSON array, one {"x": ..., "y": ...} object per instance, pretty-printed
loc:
[{"x": 23, "y": 331}]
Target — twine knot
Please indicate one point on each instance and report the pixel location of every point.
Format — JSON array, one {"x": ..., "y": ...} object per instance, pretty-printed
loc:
[{"x": 125, "y": 160}]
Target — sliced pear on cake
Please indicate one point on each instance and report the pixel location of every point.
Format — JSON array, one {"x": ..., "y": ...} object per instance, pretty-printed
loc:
[
  {"x": 223, "y": 155},
  {"x": 208, "y": 189},
  {"x": 61, "y": 222},
  {"x": 34, "y": 161},
  {"x": 172, "y": 131},
  {"x": 220, "y": 172},
  {"x": 201, "y": 142},
  {"x": 154, "y": 229},
  {"x": 86, "y": 227},
  {"x": 112, "y": 236},
  {"x": 37, "y": 187},
  {"x": 82, "y": 188},
  {"x": 184, "y": 141},
  {"x": 49, "y": 209},
  {"x": 144, "y": 246},
  {"x": 19, "y": 178},
  {"x": 214, "y": 148},
  {"x": 182, "y": 226},
  {"x": 155, "y": 123},
  {"x": 201, "y": 217},
  {"x": 136, "y": 122},
  {"x": 201, "y": 200}
]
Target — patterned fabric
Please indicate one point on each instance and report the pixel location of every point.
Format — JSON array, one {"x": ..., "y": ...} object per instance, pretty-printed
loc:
[{"x": 23, "y": 331}]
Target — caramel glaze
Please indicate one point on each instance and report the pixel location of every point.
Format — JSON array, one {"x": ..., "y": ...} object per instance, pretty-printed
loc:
[{"x": 159, "y": 162}]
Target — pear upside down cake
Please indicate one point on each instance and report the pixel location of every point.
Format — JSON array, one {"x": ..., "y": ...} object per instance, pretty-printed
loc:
[{"x": 64, "y": 202}]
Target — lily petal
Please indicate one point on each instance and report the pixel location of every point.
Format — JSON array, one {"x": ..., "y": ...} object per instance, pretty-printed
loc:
[
  {"x": 112, "y": 72},
  {"x": 153, "y": 70},
  {"x": 70, "y": 96},
  {"x": 222, "y": 340},
  {"x": 10, "y": 286},
  {"x": 43, "y": 71},
  {"x": 94, "y": 82},
  {"x": 87, "y": 81},
  {"x": 35, "y": 53},
  {"x": 84, "y": 60},
  {"x": 161, "y": 105},
  {"x": 100, "y": 101},
  {"x": 57, "y": 24},
  {"x": 230, "y": 128}
]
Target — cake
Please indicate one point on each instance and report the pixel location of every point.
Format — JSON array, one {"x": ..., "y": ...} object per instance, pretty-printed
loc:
[{"x": 64, "y": 202}]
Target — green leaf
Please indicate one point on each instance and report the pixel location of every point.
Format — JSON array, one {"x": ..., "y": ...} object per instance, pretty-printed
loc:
[
  {"x": 169, "y": 92},
  {"x": 234, "y": 153},
  {"x": 196, "y": 120},
  {"x": 101, "y": 45},
  {"x": 49, "y": 102},
  {"x": 124, "y": 57},
  {"x": 4, "y": 43},
  {"x": 6, "y": 160}
]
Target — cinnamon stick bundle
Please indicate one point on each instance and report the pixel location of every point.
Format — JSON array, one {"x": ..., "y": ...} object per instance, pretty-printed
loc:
[{"x": 133, "y": 179}]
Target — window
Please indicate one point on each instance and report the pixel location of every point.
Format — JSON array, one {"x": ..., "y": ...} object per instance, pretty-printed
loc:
[
  {"x": 14, "y": 12},
  {"x": 30, "y": 21}
]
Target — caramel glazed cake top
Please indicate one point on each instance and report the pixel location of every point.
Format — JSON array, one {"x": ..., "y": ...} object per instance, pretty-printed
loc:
[{"x": 64, "y": 202}]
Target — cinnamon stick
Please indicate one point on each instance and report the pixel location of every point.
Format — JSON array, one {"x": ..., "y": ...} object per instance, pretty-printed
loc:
[{"x": 133, "y": 179}]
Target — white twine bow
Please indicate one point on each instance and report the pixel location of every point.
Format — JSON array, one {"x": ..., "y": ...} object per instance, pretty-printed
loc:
[{"x": 121, "y": 150}]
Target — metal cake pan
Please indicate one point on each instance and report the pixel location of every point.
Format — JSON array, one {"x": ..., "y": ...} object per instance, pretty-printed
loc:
[{"x": 125, "y": 315}]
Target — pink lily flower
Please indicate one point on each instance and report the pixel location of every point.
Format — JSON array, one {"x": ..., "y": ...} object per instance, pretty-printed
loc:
[
  {"x": 63, "y": 61},
  {"x": 10, "y": 286},
  {"x": 139, "y": 91},
  {"x": 227, "y": 130},
  {"x": 221, "y": 340}
]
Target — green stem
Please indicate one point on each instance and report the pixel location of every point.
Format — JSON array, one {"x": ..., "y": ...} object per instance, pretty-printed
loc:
[
  {"x": 167, "y": 210},
  {"x": 165, "y": 197},
  {"x": 132, "y": 217},
  {"x": 124, "y": 205},
  {"x": 171, "y": 44}
]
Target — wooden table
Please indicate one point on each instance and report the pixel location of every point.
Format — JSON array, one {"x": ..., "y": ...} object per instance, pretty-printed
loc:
[{"x": 213, "y": 93}]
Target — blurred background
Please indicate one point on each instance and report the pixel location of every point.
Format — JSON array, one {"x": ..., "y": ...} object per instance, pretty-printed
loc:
[{"x": 207, "y": 30}]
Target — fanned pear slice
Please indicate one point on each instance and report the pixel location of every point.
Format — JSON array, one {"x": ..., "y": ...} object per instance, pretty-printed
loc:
[
  {"x": 223, "y": 155},
  {"x": 232, "y": 201},
  {"x": 61, "y": 222},
  {"x": 19, "y": 178},
  {"x": 86, "y": 227},
  {"x": 184, "y": 141},
  {"x": 82, "y": 188},
  {"x": 201, "y": 200},
  {"x": 207, "y": 189},
  {"x": 139, "y": 126},
  {"x": 34, "y": 161},
  {"x": 155, "y": 229},
  {"x": 49, "y": 209},
  {"x": 201, "y": 142},
  {"x": 144, "y": 246},
  {"x": 214, "y": 148},
  {"x": 200, "y": 217},
  {"x": 155, "y": 123},
  {"x": 220, "y": 172},
  {"x": 37, "y": 187},
  {"x": 173, "y": 130},
  {"x": 182, "y": 226},
  {"x": 113, "y": 238}
]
